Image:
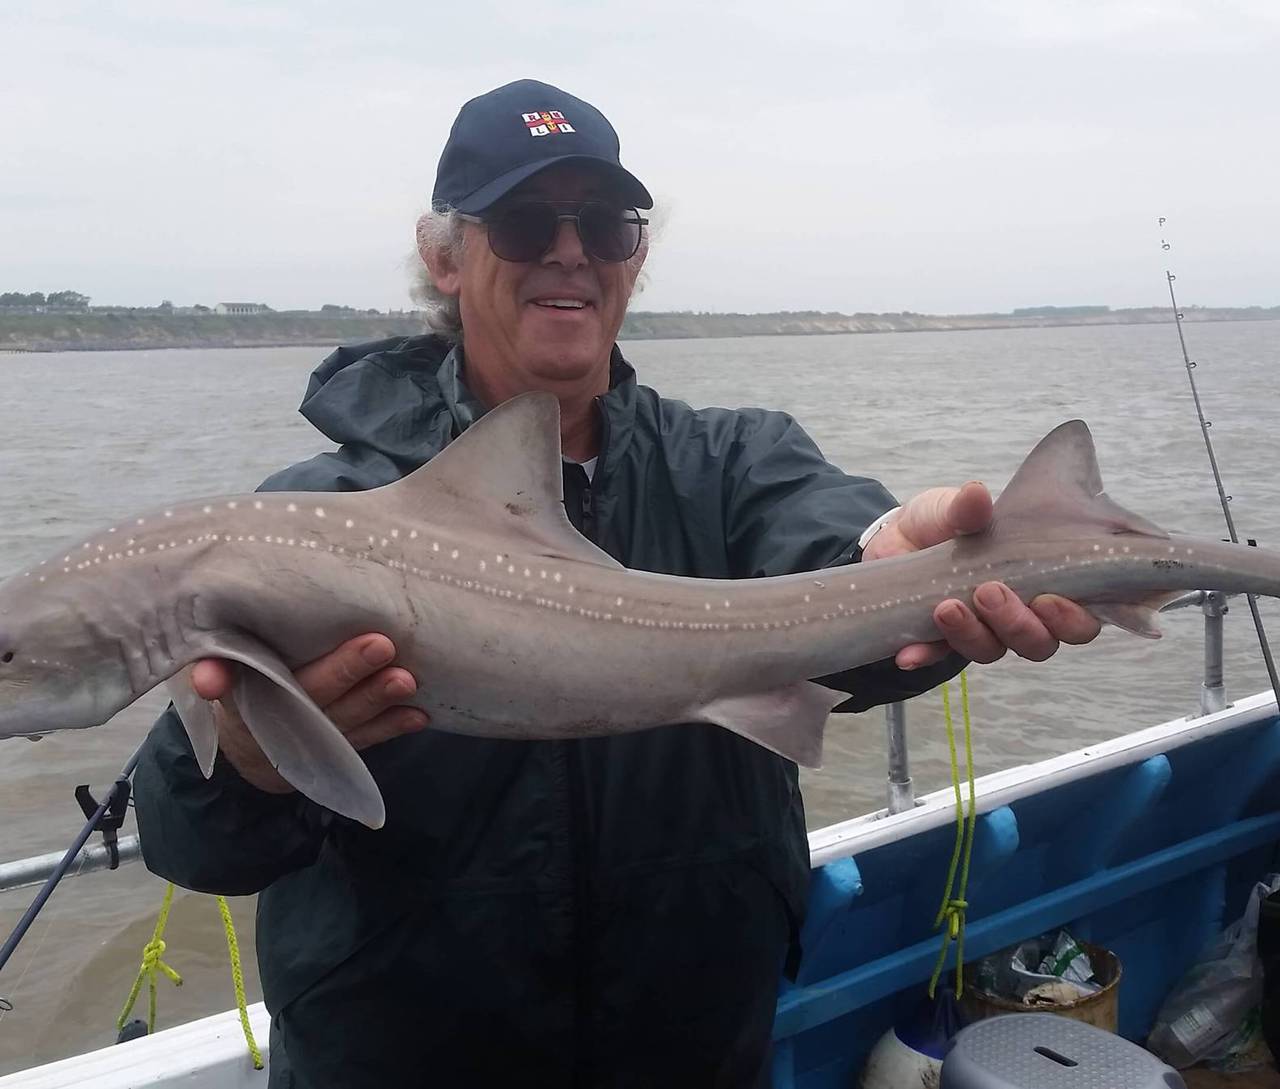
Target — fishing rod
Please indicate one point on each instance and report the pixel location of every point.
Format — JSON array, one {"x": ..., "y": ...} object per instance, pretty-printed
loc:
[
  {"x": 1223, "y": 498},
  {"x": 106, "y": 817}
]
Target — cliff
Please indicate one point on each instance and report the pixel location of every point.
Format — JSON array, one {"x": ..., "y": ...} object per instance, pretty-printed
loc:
[{"x": 155, "y": 328}]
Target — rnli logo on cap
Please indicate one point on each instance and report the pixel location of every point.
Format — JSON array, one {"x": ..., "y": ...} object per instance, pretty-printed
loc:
[{"x": 546, "y": 122}]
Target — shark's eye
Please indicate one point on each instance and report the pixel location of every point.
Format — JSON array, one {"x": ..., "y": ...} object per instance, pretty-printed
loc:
[{"x": 7, "y": 656}]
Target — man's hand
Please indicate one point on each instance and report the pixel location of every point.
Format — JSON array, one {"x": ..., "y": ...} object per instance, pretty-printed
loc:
[
  {"x": 1002, "y": 622},
  {"x": 354, "y": 685}
]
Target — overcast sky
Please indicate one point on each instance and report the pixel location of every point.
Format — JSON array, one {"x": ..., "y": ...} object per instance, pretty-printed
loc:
[{"x": 964, "y": 156}]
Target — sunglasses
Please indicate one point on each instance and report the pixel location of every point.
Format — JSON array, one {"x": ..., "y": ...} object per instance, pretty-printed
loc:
[{"x": 525, "y": 231}]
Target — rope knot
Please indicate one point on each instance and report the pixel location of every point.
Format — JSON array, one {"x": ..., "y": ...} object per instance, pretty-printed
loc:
[
  {"x": 151, "y": 954},
  {"x": 951, "y": 915}
]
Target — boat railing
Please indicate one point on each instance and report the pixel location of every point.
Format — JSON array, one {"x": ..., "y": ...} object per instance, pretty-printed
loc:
[
  {"x": 25, "y": 872},
  {"x": 1213, "y": 694}
]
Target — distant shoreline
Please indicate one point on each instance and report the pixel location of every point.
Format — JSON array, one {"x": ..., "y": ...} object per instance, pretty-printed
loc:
[{"x": 125, "y": 330}]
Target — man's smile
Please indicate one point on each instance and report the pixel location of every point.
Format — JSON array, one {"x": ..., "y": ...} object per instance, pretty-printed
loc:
[{"x": 567, "y": 304}]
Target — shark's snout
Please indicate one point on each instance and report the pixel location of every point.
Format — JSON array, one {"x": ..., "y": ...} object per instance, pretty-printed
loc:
[{"x": 53, "y": 675}]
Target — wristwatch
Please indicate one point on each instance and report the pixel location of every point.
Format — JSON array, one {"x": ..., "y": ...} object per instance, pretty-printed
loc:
[{"x": 875, "y": 528}]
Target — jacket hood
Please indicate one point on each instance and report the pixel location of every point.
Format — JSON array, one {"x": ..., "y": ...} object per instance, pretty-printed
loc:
[{"x": 406, "y": 398}]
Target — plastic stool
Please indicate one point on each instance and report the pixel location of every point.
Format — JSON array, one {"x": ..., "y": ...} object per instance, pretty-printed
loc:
[{"x": 1045, "y": 1051}]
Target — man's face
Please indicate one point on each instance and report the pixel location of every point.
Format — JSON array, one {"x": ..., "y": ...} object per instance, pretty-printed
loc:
[{"x": 512, "y": 331}]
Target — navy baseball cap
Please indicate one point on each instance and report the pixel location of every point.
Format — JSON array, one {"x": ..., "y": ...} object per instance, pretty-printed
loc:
[{"x": 502, "y": 138}]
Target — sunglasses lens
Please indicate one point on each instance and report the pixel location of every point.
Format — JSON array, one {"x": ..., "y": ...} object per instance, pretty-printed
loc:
[
  {"x": 523, "y": 233},
  {"x": 608, "y": 233},
  {"x": 526, "y": 231}
]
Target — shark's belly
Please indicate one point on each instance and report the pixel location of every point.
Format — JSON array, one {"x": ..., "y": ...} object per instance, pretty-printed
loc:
[
  {"x": 506, "y": 668},
  {"x": 518, "y": 674}
]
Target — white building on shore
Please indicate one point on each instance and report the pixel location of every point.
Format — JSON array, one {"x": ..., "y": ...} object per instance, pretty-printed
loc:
[{"x": 241, "y": 308}]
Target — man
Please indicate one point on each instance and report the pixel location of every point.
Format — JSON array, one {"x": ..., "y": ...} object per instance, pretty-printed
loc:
[{"x": 605, "y": 912}]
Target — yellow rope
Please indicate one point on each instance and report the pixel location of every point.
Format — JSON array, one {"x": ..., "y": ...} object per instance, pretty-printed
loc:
[
  {"x": 151, "y": 964},
  {"x": 954, "y": 903},
  {"x": 237, "y": 977}
]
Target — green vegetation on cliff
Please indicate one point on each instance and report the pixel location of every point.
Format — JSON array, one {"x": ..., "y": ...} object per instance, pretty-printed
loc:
[{"x": 21, "y": 329}]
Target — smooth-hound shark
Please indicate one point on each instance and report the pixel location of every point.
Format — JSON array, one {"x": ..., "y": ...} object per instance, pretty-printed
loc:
[{"x": 521, "y": 627}]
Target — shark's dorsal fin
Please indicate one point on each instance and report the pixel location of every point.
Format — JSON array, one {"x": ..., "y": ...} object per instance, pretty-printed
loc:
[
  {"x": 502, "y": 479},
  {"x": 1058, "y": 490}
]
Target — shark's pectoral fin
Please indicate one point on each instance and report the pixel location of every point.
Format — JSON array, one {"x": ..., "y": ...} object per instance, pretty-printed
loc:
[
  {"x": 789, "y": 721},
  {"x": 501, "y": 480},
  {"x": 1057, "y": 491},
  {"x": 294, "y": 734},
  {"x": 197, "y": 718}
]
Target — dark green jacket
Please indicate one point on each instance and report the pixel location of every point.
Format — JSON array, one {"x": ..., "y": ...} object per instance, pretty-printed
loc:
[{"x": 611, "y": 911}]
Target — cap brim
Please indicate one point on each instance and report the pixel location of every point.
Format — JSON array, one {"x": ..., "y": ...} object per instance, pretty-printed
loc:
[{"x": 635, "y": 194}]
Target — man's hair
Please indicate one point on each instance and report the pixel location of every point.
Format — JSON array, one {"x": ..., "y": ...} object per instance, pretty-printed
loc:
[{"x": 440, "y": 229}]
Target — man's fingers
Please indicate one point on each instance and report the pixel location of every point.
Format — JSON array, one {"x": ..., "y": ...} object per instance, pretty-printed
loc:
[
  {"x": 1012, "y": 623},
  {"x": 389, "y": 724},
  {"x": 919, "y": 655},
  {"x": 966, "y": 634},
  {"x": 970, "y": 510},
  {"x": 371, "y": 697},
  {"x": 932, "y": 517},
  {"x": 1069, "y": 622},
  {"x": 333, "y": 675},
  {"x": 211, "y": 678}
]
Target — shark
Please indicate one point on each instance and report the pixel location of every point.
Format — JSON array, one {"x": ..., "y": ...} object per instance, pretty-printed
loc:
[{"x": 525, "y": 629}]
